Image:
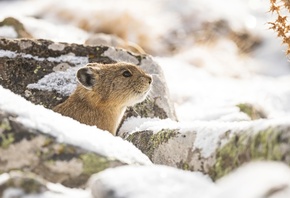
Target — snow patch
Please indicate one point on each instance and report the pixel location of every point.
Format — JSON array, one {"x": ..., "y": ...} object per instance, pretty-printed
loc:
[
  {"x": 70, "y": 58},
  {"x": 8, "y": 31},
  {"x": 63, "y": 82}
]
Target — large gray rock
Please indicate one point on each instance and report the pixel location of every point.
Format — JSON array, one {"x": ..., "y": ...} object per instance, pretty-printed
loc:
[{"x": 43, "y": 72}]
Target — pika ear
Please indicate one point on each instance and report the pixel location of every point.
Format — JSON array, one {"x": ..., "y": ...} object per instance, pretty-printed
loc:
[{"x": 87, "y": 77}]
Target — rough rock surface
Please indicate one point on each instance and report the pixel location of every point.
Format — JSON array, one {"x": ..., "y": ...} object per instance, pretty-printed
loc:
[
  {"x": 214, "y": 149},
  {"x": 18, "y": 184},
  {"x": 45, "y": 156},
  {"x": 43, "y": 72}
]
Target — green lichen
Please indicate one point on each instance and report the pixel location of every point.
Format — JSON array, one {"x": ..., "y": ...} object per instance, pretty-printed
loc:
[
  {"x": 147, "y": 141},
  {"x": 37, "y": 69},
  {"x": 5, "y": 125},
  {"x": 149, "y": 109},
  {"x": 184, "y": 166},
  {"x": 264, "y": 145},
  {"x": 161, "y": 137},
  {"x": 93, "y": 163},
  {"x": 253, "y": 112},
  {"x": 6, "y": 140}
]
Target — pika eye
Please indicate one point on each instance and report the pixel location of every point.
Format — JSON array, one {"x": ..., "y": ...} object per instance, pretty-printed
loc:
[{"x": 127, "y": 74}]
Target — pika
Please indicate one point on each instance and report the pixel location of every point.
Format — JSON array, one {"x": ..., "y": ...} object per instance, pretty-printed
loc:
[{"x": 103, "y": 93}]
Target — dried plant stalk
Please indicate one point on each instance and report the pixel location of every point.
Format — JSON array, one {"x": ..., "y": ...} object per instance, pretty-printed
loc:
[{"x": 281, "y": 8}]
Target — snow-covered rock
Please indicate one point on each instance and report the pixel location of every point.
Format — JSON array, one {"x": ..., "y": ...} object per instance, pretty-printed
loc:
[
  {"x": 150, "y": 181},
  {"x": 254, "y": 180},
  {"x": 27, "y": 185},
  {"x": 214, "y": 148}
]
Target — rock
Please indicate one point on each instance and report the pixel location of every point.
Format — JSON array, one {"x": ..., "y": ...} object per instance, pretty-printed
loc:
[
  {"x": 150, "y": 181},
  {"x": 58, "y": 149},
  {"x": 113, "y": 41},
  {"x": 18, "y": 184},
  {"x": 43, "y": 72},
  {"x": 214, "y": 148},
  {"x": 26, "y": 149},
  {"x": 252, "y": 111}
]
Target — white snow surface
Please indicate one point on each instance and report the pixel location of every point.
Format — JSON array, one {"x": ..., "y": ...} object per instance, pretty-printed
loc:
[
  {"x": 69, "y": 131},
  {"x": 7, "y": 31},
  {"x": 257, "y": 179},
  {"x": 63, "y": 82},
  {"x": 152, "y": 181}
]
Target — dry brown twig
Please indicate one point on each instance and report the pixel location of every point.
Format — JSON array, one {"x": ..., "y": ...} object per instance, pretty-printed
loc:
[{"x": 281, "y": 8}]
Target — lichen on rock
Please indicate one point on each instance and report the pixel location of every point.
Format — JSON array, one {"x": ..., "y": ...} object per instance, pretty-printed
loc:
[
  {"x": 28, "y": 150},
  {"x": 270, "y": 144}
]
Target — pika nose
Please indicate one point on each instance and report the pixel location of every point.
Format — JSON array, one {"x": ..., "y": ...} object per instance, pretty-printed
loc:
[{"x": 150, "y": 79}]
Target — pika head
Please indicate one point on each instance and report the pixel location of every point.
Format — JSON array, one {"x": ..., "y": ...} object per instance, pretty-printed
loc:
[
  {"x": 104, "y": 92},
  {"x": 115, "y": 84}
]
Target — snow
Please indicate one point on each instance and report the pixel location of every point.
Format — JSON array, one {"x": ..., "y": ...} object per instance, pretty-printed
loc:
[
  {"x": 54, "y": 191},
  {"x": 7, "y": 31},
  {"x": 71, "y": 58},
  {"x": 258, "y": 179},
  {"x": 151, "y": 181},
  {"x": 253, "y": 180},
  {"x": 63, "y": 82},
  {"x": 69, "y": 131},
  {"x": 203, "y": 96}
]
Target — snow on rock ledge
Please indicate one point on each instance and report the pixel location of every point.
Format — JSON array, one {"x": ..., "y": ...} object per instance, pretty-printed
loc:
[
  {"x": 212, "y": 147},
  {"x": 59, "y": 149}
]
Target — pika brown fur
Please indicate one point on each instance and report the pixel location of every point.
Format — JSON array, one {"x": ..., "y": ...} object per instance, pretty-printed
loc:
[{"x": 104, "y": 92}]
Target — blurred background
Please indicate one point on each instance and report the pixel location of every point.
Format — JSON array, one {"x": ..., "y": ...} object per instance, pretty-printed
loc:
[{"x": 216, "y": 55}]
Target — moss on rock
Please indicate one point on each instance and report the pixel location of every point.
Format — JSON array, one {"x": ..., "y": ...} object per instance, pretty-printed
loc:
[
  {"x": 93, "y": 163},
  {"x": 147, "y": 141},
  {"x": 253, "y": 112},
  {"x": 269, "y": 144}
]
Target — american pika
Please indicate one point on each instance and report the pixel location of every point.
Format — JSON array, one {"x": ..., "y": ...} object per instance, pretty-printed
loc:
[{"x": 104, "y": 92}]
